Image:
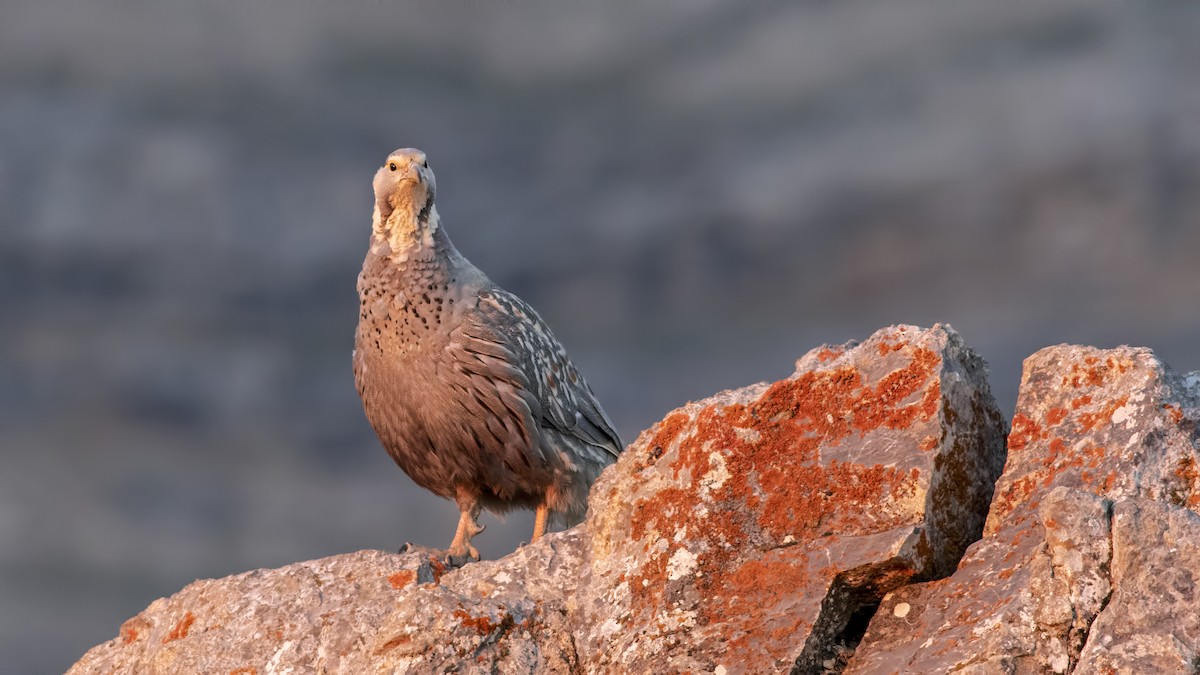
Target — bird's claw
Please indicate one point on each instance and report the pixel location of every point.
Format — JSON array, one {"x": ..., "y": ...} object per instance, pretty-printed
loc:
[
  {"x": 458, "y": 558},
  {"x": 452, "y": 558}
]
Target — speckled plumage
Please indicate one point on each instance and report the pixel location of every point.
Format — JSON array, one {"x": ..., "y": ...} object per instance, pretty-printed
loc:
[{"x": 467, "y": 388}]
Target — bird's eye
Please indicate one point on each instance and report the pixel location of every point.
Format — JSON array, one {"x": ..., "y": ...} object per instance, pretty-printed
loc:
[
  {"x": 425, "y": 163},
  {"x": 392, "y": 166}
]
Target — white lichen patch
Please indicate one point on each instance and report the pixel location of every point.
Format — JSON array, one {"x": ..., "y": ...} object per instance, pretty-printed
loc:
[
  {"x": 1125, "y": 415},
  {"x": 986, "y": 626},
  {"x": 748, "y": 435},
  {"x": 685, "y": 619},
  {"x": 717, "y": 474},
  {"x": 681, "y": 564}
]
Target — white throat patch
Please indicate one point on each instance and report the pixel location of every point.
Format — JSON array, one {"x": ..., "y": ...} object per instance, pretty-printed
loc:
[{"x": 402, "y": 232}]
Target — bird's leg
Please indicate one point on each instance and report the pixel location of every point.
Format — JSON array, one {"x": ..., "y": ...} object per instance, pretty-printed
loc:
[
  {"x": 461, "y": 550},
  {"x": 539, "y": 521}
]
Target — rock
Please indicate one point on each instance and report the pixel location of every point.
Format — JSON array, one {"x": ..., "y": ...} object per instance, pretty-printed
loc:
[
  {"x": 1152, "y": 621},
  {"x": 361, "y": 612},
  {"x": 266, "y": 620},
  {"x": 744, "y": 532},
  {"x": 754, "y": 530},
  {"x": 1091, "y": 427}
]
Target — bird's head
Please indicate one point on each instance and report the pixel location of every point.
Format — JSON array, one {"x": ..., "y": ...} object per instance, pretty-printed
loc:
[{"x": 404, "y": 213}]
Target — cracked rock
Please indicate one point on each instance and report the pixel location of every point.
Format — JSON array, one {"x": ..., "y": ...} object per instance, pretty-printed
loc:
[
  {"x": 1152, "y": 622},
  {"x": 1092, "y": 428}
]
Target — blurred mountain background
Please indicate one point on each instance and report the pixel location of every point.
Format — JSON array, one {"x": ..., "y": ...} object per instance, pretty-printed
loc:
[{"x": 692, "y": 193}]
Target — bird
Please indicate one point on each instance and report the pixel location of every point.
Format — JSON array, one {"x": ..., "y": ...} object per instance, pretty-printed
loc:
[{"x": 463, "y": 382}]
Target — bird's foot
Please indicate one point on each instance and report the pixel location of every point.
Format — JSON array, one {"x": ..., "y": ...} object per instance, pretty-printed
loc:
[
  {"x": 462, "y": 551},
  {"x": 451, "y": 558},
  {"x": 457, "y": 557}
]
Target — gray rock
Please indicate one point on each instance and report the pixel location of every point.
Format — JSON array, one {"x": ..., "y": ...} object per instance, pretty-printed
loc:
[
  {"x": 313, "y": 615},
  {"x": 1092, "y": 426},
  {"x": 1011, "y": 604},
  {"x": 1152, "y": 621}
]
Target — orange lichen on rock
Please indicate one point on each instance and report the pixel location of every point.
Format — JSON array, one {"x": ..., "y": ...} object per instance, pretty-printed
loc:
[
  {"x": 1093, "y": 373},
  {"x": 244, "y": 671},
  {"x": 880, "y": 406},
  {"x": 1174, "y": 411},
  {"x": 484, "y": 625},
  {"x": 1187, "y": 470},
  {"x": 669, "y": 505},
  {"x": 180, "y": 630},
  {"x": 829, "y": 353},
  {"x": 667, "y": 431},
  {"x": 749, "y": 584},
  {"x": 1050, "y": 468},
  {"x": 1188, "y": 493},
  {"x": 1015, "y": 493},
  {"x": 401, "y": 639},
  {"x": 1057, "y": 458},
  {"x": 808, "y": 501},
  {"x": 1090, "y": 420},
  {"x": 132, "y": 629},
  {"x": 747, "y": 600},
  {"x": 1024, "y": 431},
  {"x": 774, "y": 486},
  {"x": 437, "y": 568},
  {"x": 886, "y": 347},
  {"x": 402, "y": 578}
]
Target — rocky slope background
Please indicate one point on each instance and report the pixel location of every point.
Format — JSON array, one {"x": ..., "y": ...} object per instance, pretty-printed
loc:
[
  {"x": 691, "y": 192},
  {"x": 816, "y": 524}
]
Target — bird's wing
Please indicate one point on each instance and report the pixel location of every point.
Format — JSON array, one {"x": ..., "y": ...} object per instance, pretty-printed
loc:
[{"x": 509, "y": 330}]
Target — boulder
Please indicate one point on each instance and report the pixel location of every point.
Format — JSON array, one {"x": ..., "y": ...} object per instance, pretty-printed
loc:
[
  {"x": 748, "y": 531},
  {"x": 1101, "y": 440}
]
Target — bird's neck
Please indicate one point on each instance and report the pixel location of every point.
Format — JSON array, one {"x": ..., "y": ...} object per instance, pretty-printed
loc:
[{"x": 406, "y": 236}]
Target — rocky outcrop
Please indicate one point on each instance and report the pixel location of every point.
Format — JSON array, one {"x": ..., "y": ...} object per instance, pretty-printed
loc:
[{"x": 761, "y": 529}]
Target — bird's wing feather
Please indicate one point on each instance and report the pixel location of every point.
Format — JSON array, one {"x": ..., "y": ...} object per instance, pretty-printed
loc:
[
  {"x": 505, "y": 324},
  {"x": 498, "y": 395}
]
